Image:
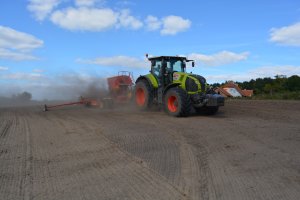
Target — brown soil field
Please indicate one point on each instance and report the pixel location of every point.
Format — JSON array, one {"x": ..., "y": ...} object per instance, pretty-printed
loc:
[{"x": 249, "y": 150}]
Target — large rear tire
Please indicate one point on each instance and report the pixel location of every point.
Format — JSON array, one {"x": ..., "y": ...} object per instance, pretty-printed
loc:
[
  {"x": 207, "y": 110},
  {"x": 177, "y": 102},
  {"x": 143, "y": 95}
]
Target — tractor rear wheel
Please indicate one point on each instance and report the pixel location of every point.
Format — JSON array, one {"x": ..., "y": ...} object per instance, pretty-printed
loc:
[
  {"x": 207, "y": 110},
  {"x": 177, "y": 102},
  {"x": 143, "y": 95}
]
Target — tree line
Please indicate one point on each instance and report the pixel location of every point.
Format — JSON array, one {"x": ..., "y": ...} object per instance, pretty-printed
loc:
[{"x": 278, "y": 87}]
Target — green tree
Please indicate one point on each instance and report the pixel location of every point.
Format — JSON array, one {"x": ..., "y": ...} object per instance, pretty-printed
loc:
[
  {"x": 293, "y": 83},
  {"x": 269, "y": 88}
]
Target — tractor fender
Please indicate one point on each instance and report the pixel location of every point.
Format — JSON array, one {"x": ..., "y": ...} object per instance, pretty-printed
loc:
[
  {"x": 172, "y": 85},
  {"x": 140, "y": 78},
  {"x": 150, "y": 79},
  {"x": 143, "y": 78}
]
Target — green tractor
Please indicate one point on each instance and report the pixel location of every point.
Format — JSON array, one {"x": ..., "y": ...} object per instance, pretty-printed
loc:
[{"x": 169, "y": 85}]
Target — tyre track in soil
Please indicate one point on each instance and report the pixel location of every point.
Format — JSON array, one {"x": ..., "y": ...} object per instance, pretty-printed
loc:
[
  {"x": 259, "y": 170},
  {"x": 241, "y": 153},
  {"x": 14, "y": 144},
  {"x": 244, "y": 167},
  {"x": 184, "y": 168},
  {"x": 83, "y": 164},
  {"x": 240, "y": 163}
]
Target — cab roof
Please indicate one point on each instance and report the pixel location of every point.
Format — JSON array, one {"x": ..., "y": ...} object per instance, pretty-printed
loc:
[{"x": 167, "y": 58}]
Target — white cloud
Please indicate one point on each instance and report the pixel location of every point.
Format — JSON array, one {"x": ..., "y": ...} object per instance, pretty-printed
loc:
[
  {"x": 260, "y": 72},
  {"x": 3, "y": 68},
  {"x": 38, "y": 70},
  {"x": 271, "y": 71},
  {"x": 174, "y": 24},
  {"x": 23, "y": 76},
  {"x": 153, "y": 23},
  {"x": 12, "y": 39},
  {"x": 125, "y": 3},
  {"x": 121, "y": 61},
  {"x": 128, "y": 21},
  {"x": 13, "y": 55},
  {"x": 218, "y": 59},
  {"x": 87, "y": 3},
  {"x": 94, "y": 19},
  {"x": 15, "y": 45},
  {"x": 89, "y": 15},
  {"x": 288, "y": 35},
  {"x": 85, "y": 19},
  {"x": 42, "y": 8}
]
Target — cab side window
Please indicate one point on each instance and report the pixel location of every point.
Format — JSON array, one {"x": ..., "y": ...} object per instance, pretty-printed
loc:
[{"x": 156, "y": 69}]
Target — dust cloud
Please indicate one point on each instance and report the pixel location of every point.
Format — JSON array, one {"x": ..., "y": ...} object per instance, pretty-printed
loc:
[
  {"x": 58, "y": 89},
  {"x": 20, "y": 99}
]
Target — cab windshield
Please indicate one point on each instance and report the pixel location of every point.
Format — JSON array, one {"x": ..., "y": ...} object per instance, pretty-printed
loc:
[
  {"x": 176, "y": 65},
  {"x": 172, "y": 65}
]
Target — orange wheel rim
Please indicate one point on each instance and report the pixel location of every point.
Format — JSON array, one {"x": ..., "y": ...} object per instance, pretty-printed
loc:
[
  {"x": 140, "y": 97},
  {"x": 172, "y": 104}
]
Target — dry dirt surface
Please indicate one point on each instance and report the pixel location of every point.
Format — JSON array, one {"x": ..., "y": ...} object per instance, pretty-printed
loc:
[{"x": 249, "y": 150}]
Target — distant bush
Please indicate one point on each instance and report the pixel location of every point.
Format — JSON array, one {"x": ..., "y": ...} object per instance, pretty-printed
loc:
[{"x": 281, "y": 95}]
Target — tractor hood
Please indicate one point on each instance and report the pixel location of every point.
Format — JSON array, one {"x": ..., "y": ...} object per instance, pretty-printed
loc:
[{"x": 193, "y": 83}]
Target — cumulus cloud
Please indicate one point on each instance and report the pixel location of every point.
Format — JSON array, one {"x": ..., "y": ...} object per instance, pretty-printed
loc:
[
  {"x": 94, "y": 19},
  {"x": 128, "y": 21},
  {"x": 87, "y": 2},
  {"x": 170, "y": 25},
  {"x": 174, "y": 24},
  {"x": 288, "y": 35},
  {"x": 218, "y": 59},
  {"x": 121, "y": 61},
  {"x": 3, "y": 68},
  {"x": 23, "y": 76},
  {"x": 12, "y": 39},
  {"x": 260, "y": 72},
  {"x": 85, "y": 19},
  {"x": 271, "y": 71},
  {"x": 38, "y": 70},
  {"x": 88, "y": 15},
  {"x": 153, "y": 23},
  {"x": 15, "y": 45},
  {"x": 84, "y": 2},
  {"x": 42, "y": 8},
  {"x": 13, "y": 55}
]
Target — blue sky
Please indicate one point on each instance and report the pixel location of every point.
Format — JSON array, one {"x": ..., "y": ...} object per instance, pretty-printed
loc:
[{"x": 50, "y": 46}]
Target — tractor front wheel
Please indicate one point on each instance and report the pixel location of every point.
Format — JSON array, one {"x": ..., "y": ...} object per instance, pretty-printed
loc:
[
  {"x": 177, "y": 102},
  {"x": 143, "y": 95}
]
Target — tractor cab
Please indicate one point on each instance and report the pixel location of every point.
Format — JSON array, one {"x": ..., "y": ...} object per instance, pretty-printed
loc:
[{"x": 164, "y": 67}]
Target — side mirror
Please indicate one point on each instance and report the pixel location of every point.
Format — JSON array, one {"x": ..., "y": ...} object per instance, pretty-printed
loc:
[{"x": 193, "y": 64}]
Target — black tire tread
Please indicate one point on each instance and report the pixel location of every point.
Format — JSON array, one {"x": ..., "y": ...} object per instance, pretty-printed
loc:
[
  {"x": 185, "y": 102},
  {"x": 149, "y": 91}
]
